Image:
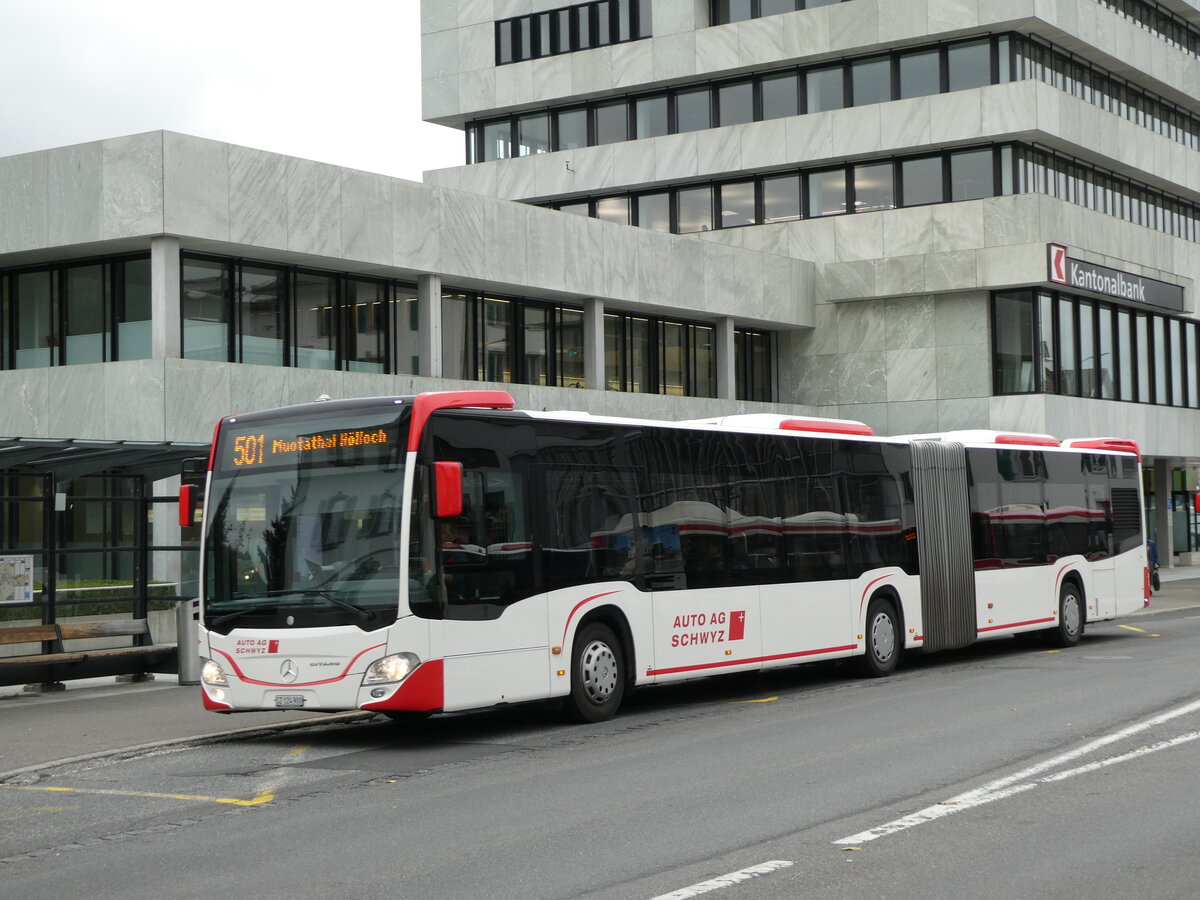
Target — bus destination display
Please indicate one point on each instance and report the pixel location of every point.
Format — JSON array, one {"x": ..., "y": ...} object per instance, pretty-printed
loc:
[{"x": 272, "y": 447}]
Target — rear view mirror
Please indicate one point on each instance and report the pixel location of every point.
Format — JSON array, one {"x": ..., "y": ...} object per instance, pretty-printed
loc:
[
  {"x": 188, "y": 495},
  {"x": 447, "y": 489}
]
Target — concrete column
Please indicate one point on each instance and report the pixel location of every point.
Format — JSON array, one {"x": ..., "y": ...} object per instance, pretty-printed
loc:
[
  {"x": 1162, "y": 515},
  {"x": 593, "y": 344},
  {"x": 429, "y": 314},
  {"x": 725, "y": 353},
  {"x": 166, "y": 341}
]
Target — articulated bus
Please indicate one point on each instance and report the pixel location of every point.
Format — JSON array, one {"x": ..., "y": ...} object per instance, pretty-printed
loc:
[{"x": 447, "y": 552}]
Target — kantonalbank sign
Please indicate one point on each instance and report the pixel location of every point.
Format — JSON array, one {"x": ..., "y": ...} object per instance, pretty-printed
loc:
[{"x": 1085, "y": 276}]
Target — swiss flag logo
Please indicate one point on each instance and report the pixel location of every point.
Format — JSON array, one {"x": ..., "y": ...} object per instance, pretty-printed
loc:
[
  {"x": 273, "y": 647},
  {"x": 737, "y": 625},
  {"x": 1058, "y": 263}
]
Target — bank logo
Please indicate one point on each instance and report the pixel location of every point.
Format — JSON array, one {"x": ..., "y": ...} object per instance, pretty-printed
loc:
[{"x": 1058, "y": 263}]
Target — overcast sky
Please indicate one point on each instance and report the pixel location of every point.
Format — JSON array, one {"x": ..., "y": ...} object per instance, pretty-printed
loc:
[{"x": 332, "y": 80}]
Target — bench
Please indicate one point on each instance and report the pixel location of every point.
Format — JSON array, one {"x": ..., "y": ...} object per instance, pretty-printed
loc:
[{"x": 63, "y": 662}]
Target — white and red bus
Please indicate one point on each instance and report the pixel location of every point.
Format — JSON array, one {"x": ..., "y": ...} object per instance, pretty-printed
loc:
[{"x": 447, "y": 552}]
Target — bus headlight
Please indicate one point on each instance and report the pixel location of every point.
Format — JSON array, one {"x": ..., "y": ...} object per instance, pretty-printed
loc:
[
  {"x": 390, "y": 669},
  {"x": 212, "y": 673}
]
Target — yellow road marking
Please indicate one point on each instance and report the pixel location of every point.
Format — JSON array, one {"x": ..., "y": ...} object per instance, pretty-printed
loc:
[
  {"x": 1131, "y": 628},
  {"x": 259, "y": 799},
  {"x": 1052, "y": 651},
  {"x": 763, "y": 700},
  {"x": 299, "y": 751}
]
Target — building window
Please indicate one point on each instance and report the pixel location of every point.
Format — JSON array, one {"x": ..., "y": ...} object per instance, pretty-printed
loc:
[
  {"x": 570, "y": 28},
  {"x": 724, "y": 12},
  {"x": 646, "y": 354},
  {"x": 1063, "y": 344}
]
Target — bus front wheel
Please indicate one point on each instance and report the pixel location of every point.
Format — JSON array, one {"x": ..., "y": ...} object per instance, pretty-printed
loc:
[
  {"x": 597, "y": 674},
  {"x": 882, "y": 638},
  {"x": 1070, "y": 616}
]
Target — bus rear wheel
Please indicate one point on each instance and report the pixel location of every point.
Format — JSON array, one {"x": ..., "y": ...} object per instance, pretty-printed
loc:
[
  {"x": 883, "y": 639},
  {"x": 1070, "y": 616},
  {"x": 597, "y": 674}
]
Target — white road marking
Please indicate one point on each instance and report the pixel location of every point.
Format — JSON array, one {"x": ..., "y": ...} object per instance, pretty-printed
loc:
[
  {"x": 724, "y": 881},
  {"x": 1012, "y": 784}
]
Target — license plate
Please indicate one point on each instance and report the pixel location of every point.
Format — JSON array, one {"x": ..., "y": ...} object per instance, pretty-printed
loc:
[{"x": 289, "y": 701}]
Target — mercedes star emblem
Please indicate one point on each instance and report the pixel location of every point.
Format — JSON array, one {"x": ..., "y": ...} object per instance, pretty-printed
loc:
[{"x": 289, "y": 671}]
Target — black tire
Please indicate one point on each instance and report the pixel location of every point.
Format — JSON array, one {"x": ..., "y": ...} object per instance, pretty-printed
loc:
[
  {"x": 883, "y": 638},
  {"x": 597, "y": 674},
  {"x": 1070, "y": 615}
]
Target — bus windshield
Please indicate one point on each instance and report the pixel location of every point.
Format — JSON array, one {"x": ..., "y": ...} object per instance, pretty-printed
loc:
[{"x": 303, "y": 521}]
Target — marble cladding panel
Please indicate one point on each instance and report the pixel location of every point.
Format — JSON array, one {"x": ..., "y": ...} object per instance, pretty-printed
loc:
[
  {"x": 474, "y": 12},
  {"x": 717, "y": 48},
  {"x": 632, "y": 63},
  {"x": 962, "y": 320},
  {"x": 861, "y": 326},
  {"x": 1010, "y": 220},
  {"x": 1019, "y": 264},
  {"x": 306, "y": 385},
  {"x": 963, "y": 371},
  {"x": 476, "y": 50},
  {"x": 675, "y": 157},
  {"x": 482, "y": 179},
  {"x": 873, "y": 414},
  {"x": 822, "y": 338},
  {"x": 314, "y": 203},
  {"x": 133, "y": 184},
  {"x": 195, "y": 186},
  {"x": 25, "y": 410},
  {"x": 764, "y": 144},
  {"x": 76, "y": 394},
  {"x": 654, "y": 265},
  {"x": 899, "y": 275},
  {"x": 852, "y": 280},
  {"x": 901, "y": 20},
  {"x": 694, "y": 291},
  {"x": 618, "y": 262},
  {"x": 957, "y": 226},
  {"x": 133, "y": 406},
  {"x": 636, "y": 161},
  {"x": 952, "y": 270},
  {"x": 506, "y": 9},
  {"x": 551, "y": 77},
  {"x": 912, "y": 417},
  {"x": 440, "y": 97},
  {"x": 805, "y": 35},
  {"x": 553, "y": 173},
  {"x": 675, "y": 56},
  {"x": 253, "y": 387},
  {"x": 258, "y": 197},
  {"x": 858, "y": 237},
  {"x": 718, "y": 150},
  {"x": 477, "y": 90},
  {"x": 197, "y": 393},
  {"x": 810, "y": 138},
  {"x": 74, "y": 208},
  {"x": 23, "y": 187},
  {"x": 784, "y": 294},
  {"x": 911, "y": 374},
  {"x": 594, "y": 167},
  {"x": 507, "y": 239},
  {"x": 767, "y": 238},
  {"x": 857, "y": 130},
  {"x": 545, "y": 249},
  {"x": 905, "y": 124},
  {"x": 812, "y": 239},
  {"x": 592, "y": 70},
  {"x": 589, "y": 267},
  {"x": 963, "y": 415},
  {"x": 464, "y": 239},
  {"x": 438, "y": 15},
  {"x": 909, "y": 322},
  {"x": 953, "y": 15},
  {"x": 516, "y": 179},
  {"x": 439, "y": 54},
  {"x": 853, "y": 25},
  {"x": 1007, "y": 109},
  {"x": 761, "y": 41},
  {"x": 366, "y": 216},
  {"x": 1022, "y": 412},
  {"x": 514, "y": 84},
  {"x": 956, "y": 116},
  {"x": 814, "y": 381},
  {"x": 417, "y": 213}
]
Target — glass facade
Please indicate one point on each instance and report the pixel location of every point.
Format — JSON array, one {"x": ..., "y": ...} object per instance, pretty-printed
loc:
[
  {"x": 939, "y": 68},
  {"x": 1057, "y": 343},
  {"x": 722, "y": 12},
  {"x": 76, "y": 312},
  {"x": 567, "y": 29}
]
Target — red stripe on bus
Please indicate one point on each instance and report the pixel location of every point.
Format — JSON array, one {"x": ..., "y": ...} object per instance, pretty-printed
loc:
[
  {"x": 345, "y": 672},
  {"x": 745, "y": 662},
  {"x": 1014, "y": 625},
  {"x": 867, "y": 590},
  {"x": 571, "y": 615}
]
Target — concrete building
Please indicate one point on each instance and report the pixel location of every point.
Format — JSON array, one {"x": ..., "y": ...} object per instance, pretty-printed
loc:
[{"x": 923, "y": 214}]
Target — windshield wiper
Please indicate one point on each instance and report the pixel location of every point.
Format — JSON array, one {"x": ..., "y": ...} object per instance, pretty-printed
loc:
[
  {"x": 237, "y": 614},
  {"x": 364, "y": 615}
]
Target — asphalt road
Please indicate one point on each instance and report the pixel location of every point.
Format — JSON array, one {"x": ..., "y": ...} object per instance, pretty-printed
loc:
[{"x": 1005, "y": 770}]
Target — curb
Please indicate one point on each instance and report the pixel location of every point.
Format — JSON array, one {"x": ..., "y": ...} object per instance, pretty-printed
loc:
[{"x": 195, "y": 740}]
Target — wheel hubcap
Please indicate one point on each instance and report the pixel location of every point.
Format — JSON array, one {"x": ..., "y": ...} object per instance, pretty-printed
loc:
[
  {"x": 1070, "y": 614},
  {"x": 883, "y": 637},
  {"x": 598, "y": 671}
]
